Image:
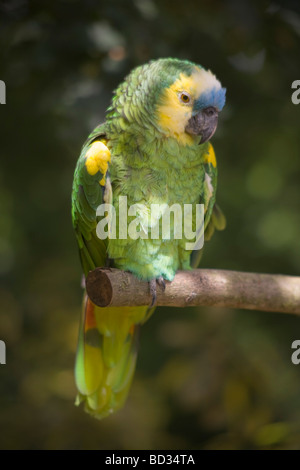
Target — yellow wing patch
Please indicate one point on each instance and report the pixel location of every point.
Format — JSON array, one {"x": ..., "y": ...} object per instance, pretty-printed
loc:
[
  {"x": 97, "y": 158},
  {"x": 210, "y": 156}
]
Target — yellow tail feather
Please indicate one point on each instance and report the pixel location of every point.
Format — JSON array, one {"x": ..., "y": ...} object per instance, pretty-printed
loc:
[{"x": 106, "y": 356}]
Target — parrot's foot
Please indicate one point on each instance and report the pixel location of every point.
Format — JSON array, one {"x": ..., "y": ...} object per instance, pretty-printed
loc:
[
  {"x": 161, "y": 282},
  {"x": 152, "y": 285}
]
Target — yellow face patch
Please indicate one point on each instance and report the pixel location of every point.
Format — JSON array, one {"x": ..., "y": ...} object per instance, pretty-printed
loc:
[
  {"x": 97, "y": 158},
  {"x": 173, "y": 113},
  {"x": 210, "y": 156}
]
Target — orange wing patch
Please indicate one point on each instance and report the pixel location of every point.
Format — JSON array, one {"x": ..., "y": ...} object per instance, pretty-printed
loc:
[{"x": 90, "y": 320}]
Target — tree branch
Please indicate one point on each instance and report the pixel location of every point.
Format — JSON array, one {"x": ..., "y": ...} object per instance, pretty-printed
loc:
[{"x": 218, "y": 288}]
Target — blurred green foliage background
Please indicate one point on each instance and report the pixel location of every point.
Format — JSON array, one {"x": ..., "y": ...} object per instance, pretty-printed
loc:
[{"x": 206, "y": 378}]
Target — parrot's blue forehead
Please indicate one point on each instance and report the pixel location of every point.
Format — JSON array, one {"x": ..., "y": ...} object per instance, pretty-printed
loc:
[{"x": 213, "y": 97}]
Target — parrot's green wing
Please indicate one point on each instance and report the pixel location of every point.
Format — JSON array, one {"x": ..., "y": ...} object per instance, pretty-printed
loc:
[
  {"x": 214, "y": 218},
  {"x": 217, "y": 222},
  {"x": 107, "y": 342},
  {"x": 87, "y": 195}
]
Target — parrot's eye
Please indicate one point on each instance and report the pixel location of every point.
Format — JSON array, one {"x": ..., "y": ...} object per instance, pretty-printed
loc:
[{"x": 185, "y": 97}]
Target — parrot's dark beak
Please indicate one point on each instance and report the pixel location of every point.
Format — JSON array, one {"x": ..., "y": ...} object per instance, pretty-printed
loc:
[{"x": 203, "y": 123}]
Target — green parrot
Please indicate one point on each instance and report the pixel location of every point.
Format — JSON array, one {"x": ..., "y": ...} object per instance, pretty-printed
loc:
[{"x": 152, "y": 149}]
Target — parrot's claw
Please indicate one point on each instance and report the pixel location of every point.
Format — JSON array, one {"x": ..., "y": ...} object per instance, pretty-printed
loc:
[
  {"x": 161, "y": 282},
  {"x": 152, "y": 285}
]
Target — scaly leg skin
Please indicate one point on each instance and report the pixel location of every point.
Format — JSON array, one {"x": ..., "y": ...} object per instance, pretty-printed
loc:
[{"x": 152, "y": 286}]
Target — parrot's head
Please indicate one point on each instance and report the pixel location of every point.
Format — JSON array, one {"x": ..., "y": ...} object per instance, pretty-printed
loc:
[
  {"x": 190, "y": 101},
  {"x": 176, "y": 98}
]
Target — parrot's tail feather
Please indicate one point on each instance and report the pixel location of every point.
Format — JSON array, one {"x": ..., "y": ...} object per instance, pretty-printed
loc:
[{"x": 106, "y": 356}]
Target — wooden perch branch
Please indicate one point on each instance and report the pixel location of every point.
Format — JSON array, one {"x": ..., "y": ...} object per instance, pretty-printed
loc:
[{"x": 218, "y": 288}]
